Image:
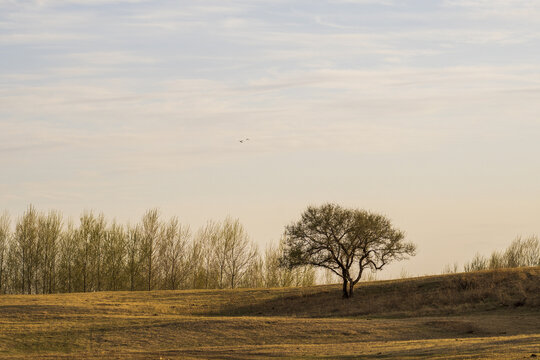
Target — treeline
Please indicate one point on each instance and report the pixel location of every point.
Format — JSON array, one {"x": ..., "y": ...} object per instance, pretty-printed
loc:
[
  {"x": 40, "y": 253},
  {"x": 521, "y": 252}
]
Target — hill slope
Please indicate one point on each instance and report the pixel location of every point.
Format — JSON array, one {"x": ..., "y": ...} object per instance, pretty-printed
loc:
[{"x": 491, "y": 314}]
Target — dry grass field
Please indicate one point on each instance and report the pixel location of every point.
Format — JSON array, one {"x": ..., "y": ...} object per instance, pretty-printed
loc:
[{"x": 484, "y": 315}]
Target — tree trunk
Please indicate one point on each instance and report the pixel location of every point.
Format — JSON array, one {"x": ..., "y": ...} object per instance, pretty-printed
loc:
[
  {"x": 69, "y": 278},
  {"x": 351, "y": 286},
  {"x": 84, "y": 278},
  {"x": 345, "y": 294},
  {"x": 149, "y": 276}
]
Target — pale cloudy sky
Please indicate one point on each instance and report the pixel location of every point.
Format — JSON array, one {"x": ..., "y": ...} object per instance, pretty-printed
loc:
[{"x": 424, "y": 110}]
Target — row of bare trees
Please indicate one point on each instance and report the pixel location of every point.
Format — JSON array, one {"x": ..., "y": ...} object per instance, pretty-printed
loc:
[{"x": 42, "y": 253}]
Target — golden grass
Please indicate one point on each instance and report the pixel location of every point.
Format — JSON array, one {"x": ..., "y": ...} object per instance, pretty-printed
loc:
[{"x": 491, "y": 314}]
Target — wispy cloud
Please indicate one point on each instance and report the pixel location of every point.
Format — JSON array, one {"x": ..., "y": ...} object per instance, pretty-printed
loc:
[
  {"x": 365, "y": 2},
  {"x": 33, "y": 38},
  {"x": 488, "y": 9},
  {"x": 28, "y": 147},
  {"x": 111, "y": 58}
]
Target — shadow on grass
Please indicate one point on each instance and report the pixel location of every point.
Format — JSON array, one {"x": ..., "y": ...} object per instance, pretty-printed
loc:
[{"x": 425, "y": 296}]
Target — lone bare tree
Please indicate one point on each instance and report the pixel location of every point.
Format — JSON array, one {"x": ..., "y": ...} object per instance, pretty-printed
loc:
[{"x": 345, "y": 241}]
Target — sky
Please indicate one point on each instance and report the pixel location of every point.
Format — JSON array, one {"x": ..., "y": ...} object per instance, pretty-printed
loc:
[{"x": 424, "y": 111}]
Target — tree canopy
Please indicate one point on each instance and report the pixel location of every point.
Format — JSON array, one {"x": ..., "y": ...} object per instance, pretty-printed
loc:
[{"x": 345, "y": 241}]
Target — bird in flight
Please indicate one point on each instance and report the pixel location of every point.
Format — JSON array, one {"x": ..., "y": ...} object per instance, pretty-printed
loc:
[{"x": 243, "y": 140}]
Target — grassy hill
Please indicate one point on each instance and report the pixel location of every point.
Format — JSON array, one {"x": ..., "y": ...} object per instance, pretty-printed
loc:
[{"x": 490, "y": 314}]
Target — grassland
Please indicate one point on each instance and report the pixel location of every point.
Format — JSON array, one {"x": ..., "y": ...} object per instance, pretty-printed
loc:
[{"x": 490, "y": 315}]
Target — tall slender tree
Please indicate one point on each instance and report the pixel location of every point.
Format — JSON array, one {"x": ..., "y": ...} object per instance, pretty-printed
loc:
[
  {"x": 85, "y": 251},
  {"x": 25, "y": 251},
  {"x": 173, "y": 254},
  {"x": 203, "y": 258},
  {"x": 150, "y": 231},
  {"x": 5, "y": 235},
  {"x": 114, "y": 257},
  {"x": 49, "y": 232},
  {"x": 238, "y": 251},
  {"x": 134, "y": 260},
  {"x": 67, "y": 259}
]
